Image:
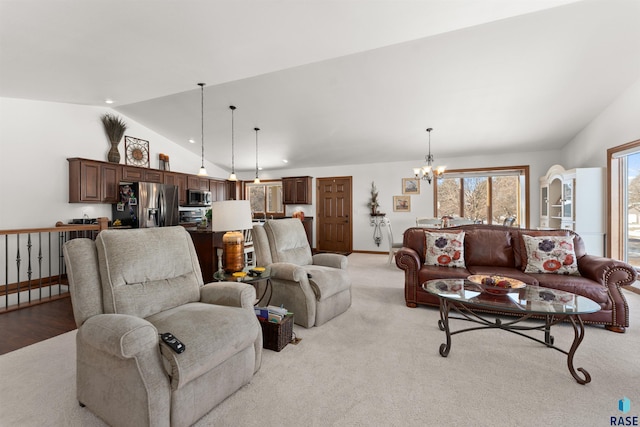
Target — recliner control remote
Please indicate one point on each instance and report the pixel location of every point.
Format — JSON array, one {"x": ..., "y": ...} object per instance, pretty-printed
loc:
[{"x": 173, "y": 342}]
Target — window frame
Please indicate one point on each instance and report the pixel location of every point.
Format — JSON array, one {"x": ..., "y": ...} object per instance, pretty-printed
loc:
[
  {"x": 488, "y": 172},
  {"x": 264, "y": 183}
]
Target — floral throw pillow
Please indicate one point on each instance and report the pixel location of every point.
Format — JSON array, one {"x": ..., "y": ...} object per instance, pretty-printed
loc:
[
  {"x": 444, "y": 249},
  {"x": 550, "y": 254}
]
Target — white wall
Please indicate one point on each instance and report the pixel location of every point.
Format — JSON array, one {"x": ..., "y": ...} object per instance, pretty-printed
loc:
[
  {"x": 618, "y": 124},
  {"x": 37, "y": 137},
  {"x": 388, "y": 180}
]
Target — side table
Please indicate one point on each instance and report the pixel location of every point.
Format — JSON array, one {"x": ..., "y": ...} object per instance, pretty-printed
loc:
[{"x": 252, "y": 279}]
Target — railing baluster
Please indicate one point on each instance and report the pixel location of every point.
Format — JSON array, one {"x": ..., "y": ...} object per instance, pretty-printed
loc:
[
  {"x": 18, "y": 264},
  {"x": 40, "y": 266},
  {"x": 6, "y": 270},
  {"x": 29, "y": 272}
]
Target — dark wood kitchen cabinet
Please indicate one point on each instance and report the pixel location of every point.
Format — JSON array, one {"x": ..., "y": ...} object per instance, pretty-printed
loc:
[
  {"x": 91, "y": 181},
  {"x": 296, "y": 190},
  {"x": 136, "y": 174},
  {"x": 218, "y": 190},
  {"x": 194, "y": 182},
  {"x": 180, "y": 181}
]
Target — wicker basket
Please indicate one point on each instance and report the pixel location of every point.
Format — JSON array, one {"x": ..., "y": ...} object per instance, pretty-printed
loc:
[{"x": 275, "y": 336}]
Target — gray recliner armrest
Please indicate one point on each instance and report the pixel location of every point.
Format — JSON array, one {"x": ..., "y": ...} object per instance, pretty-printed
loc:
[
  {"x": 331, "y": 260},
  {"x": 288, "y": 271},
  {"x": 119, "y": 335},
  {"x": 232, "y": 294}
]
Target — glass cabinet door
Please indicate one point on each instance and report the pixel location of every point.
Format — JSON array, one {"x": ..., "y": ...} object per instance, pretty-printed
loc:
[
  {"x": 567, "y": 199},
  {"x": 544, "y": 201}
]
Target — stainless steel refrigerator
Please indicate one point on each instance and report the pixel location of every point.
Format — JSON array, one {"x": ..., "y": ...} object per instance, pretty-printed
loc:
[{"x": 146, "y": 204}]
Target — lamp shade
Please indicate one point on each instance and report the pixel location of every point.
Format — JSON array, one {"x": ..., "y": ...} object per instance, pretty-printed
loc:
[{"x": 230, "y": 215}]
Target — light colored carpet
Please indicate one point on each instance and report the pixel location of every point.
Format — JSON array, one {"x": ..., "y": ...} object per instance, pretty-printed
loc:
[{"x": 377, "y": 364}]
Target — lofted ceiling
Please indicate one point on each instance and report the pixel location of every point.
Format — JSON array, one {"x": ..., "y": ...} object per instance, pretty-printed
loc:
[{"x": 330, "y": 82}]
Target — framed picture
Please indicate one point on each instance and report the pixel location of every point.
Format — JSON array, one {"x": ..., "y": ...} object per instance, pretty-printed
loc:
[
  {"x": 402, "y": 203},
  {"x": 410, "y": 186}
]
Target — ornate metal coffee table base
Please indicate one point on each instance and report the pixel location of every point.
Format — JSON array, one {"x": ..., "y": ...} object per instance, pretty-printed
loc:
[{"x": 514, "y": 326}]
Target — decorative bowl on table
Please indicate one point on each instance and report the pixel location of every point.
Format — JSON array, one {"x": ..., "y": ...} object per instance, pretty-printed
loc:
[{"x": 496, "y": 285}]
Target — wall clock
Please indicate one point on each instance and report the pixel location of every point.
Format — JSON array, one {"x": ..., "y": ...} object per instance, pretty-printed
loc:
[{"x": 137, "y": 151}]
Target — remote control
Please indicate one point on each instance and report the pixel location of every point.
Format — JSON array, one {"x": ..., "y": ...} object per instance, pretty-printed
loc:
[{"x": 173, "y": 342}]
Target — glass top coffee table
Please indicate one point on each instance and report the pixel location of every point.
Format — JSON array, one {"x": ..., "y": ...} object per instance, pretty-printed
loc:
[{"x": 468, "y": 299}]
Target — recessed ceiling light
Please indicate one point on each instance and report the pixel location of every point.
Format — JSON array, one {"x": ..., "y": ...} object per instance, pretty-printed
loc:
[
  {"x": 260, "y": 168},
  {"x": 193, "y": 141},
  {"x": 285, "y": 161},
  {"x": 108, "y": 101}
]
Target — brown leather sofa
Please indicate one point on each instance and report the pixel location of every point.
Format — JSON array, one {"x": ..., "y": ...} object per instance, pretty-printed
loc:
[{"x": 498, "y": 250}]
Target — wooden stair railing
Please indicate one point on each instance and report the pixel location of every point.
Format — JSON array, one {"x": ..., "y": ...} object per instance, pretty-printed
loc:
[{"x": 32, "y": 269}]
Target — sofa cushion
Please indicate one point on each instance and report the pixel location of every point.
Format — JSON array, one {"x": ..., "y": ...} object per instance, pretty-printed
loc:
[
  {"x": 327, "y": 281},
  {"x": 578, "y": 285},
  {"x": 550, "y": 254},
  {"x": 430, "y": 272},
  {"x": 444, "y": 249},
  {"x": 210, "y": 333},
  {"x": 489, "y": 247}
]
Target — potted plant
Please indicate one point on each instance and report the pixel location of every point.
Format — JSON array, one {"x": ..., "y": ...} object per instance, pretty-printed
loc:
[{"x": 114, "y": 127}]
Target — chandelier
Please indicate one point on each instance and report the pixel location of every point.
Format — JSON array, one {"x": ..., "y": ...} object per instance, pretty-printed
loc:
[{"x": 428, "y": 172}]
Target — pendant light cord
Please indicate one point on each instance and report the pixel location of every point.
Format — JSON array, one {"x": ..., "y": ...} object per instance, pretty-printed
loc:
[
  {"x": 256, "y": 129},
  {"x": 233, "y": 163},
  {"x": 202, "y": 121}
]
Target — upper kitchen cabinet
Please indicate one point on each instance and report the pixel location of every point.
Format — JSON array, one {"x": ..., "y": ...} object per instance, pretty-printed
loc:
[
  {"x": 180, "y": 181},
  {"x": 194, "y": 182},
  {"x": 296, "y": 190},
  {"x": 91, "y": 181},
  {"x": 137, "y": 174},
  {"x": 218, "y": 190}
]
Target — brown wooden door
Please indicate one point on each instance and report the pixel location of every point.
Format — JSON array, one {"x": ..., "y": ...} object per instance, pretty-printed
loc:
[{"x": 334, "y": 205}]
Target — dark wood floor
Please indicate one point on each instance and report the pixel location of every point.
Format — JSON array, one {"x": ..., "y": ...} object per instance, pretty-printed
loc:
[{"x": 20, "y": 328}]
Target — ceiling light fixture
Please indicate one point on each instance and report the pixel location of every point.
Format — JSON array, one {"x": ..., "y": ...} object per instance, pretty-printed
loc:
[
  {"x": 108, "y": 101},
  {"x": 233, "y": 176},
  {"x": 257, "y": 180},
  {"x": 203, "y": 171},
  {"x": 428, "y": 172}
]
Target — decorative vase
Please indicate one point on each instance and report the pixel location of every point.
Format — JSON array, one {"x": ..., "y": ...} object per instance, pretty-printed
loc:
[{"x": 114, "y": 154}]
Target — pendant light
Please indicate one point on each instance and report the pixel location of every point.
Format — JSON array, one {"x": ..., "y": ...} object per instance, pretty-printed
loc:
[
  {"x": 202, "y": 171},
  {"x": 257, "y": 180},
  {"x": 428, "y": 172},
  {"x": 233, "y": 176}
]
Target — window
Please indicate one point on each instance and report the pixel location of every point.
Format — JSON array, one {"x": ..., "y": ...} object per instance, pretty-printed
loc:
[
  {"x": 488, "y": 196},
  {"x": 624, "y": 203},
  {"x": 265, "y": 199}
]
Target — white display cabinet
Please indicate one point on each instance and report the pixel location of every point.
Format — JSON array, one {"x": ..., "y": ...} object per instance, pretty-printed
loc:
[{"x": 574, "y": 199}]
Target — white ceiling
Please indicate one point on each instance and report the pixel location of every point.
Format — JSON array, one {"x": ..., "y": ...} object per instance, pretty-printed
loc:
[{"x": 330, "y": 81}]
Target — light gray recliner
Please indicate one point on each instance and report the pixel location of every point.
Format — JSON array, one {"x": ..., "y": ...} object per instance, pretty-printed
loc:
[
  {"x": 316, "y": 288},
  {"x": 126, "y": 288}
]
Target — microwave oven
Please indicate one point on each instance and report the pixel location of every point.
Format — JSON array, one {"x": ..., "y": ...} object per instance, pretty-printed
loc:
[{"x": 198, "y": 198}]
